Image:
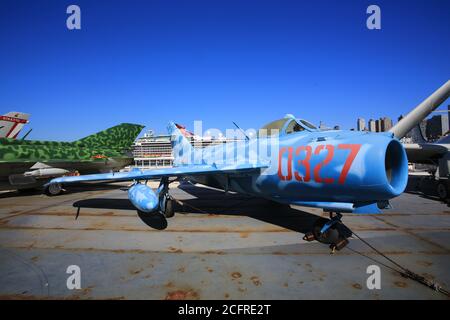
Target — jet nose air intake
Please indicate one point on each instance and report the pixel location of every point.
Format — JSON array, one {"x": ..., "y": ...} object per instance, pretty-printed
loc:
[{"x": 396, "y": 167}]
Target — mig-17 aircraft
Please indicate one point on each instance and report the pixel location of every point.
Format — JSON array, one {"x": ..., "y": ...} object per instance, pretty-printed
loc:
[{"x": 289, "y": 161}]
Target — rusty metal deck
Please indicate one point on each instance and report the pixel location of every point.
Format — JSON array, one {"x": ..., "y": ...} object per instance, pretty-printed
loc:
[{"x": 216, "y": 247}]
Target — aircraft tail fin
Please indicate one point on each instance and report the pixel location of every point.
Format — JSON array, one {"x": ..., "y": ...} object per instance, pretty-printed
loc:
[
  {"x": 119, "y": 137},
  {"x": 12, "y": 123},
  {"x": 181, "y": 146},
  {"x": 417, "y": 135}
]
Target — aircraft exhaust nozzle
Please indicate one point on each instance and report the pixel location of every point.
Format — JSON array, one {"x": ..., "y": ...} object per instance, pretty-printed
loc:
[
  {"x": 422, "y": 111},
  {"x": 143, "y": 198}
]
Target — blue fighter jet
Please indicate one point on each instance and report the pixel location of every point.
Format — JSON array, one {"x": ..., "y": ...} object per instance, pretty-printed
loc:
[{"x": 289, "y": 161}]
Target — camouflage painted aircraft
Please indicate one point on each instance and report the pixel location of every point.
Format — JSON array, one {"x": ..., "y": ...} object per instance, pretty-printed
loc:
[
  {"x": 27, "y": 164},
  {"x": 289, "y": 162}
]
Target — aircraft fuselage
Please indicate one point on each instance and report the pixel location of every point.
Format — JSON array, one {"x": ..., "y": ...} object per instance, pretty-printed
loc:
[{"x": 325, "y": 166}]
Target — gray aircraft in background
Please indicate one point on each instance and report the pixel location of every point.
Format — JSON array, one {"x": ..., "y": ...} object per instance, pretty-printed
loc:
[{"x": 424, "y": 152}]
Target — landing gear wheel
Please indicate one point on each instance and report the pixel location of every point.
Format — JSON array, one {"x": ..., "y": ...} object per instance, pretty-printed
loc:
[
  {"x": 442, "y": 191},
  {"x": 166, "y": 203},
  {"x": 53, "y": 189},
  {"x": 169, "y": 210},
  {"x": 331, "y": 236}
]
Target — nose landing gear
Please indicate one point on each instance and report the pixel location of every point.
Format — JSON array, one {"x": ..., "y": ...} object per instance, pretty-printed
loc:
[{"x": 330, "y": 231}]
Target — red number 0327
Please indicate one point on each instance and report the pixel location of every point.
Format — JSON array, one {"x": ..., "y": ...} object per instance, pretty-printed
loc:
[{"x": 303, "y": 156}]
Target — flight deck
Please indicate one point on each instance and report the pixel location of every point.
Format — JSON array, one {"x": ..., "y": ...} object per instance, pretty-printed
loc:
[{"x": 217, "y": 246}]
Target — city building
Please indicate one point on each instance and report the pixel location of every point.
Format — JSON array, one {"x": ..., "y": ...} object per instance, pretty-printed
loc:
[
  {"x": 361, "y": 124},
  {"x": 372, "y": 127},
  {"x": 437, "y": 126},
  {"x": 385, "y": 124},
  {"x": 377, "y": 125}
]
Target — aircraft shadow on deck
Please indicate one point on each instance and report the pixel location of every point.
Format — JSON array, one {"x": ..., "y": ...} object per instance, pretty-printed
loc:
[
  {"x": 155, "y": 220},
  {"x": 75, "y": 188},
  {"x": 240, "y": 205},
  {"x": 423, "y": 188},
  {"x": 211, "y": 201}
]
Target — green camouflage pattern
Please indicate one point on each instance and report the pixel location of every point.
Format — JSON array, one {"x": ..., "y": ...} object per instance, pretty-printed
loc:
[{"x": 114, "y": 142}]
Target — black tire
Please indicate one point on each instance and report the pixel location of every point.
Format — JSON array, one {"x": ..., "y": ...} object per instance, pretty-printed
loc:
[
  {"x": 442, "y": 191},
  {"x": 318, "y": 224},
  {"x": 169, "y": 210},
  {"x": 330, "y": 236},
  {"x": 53, "y": 189}
]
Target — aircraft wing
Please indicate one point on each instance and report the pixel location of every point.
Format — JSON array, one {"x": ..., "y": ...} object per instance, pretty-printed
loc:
[
  {"x": 424, "y": 152},
  {"x": 181, "y": 171}
]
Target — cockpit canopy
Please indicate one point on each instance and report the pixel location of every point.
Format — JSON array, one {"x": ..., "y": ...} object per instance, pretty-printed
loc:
[{"x": 287, "y": 125}]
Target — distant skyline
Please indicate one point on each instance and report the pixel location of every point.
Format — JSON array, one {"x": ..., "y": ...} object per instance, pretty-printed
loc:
[
  {"x": 248, "y": 61},
  {"x": 366, "y": 122}
]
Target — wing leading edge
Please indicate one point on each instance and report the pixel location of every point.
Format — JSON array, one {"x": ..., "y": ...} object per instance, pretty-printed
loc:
[{"x": 160, "y": 173}]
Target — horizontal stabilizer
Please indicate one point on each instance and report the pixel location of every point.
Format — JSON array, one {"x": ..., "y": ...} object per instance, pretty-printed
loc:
[{"x": 417, "y": 135}]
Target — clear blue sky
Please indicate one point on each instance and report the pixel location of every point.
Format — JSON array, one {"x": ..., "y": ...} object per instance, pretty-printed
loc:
[{"x": 219, "y": 61}]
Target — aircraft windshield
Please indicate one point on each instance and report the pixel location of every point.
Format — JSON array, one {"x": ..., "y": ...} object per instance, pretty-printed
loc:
[
  {"x": 293, "y": 126},
  {"x": 308, "y": 124},
  {"x": 274, "y": 127},
  {"x": 286, "y": 126}
]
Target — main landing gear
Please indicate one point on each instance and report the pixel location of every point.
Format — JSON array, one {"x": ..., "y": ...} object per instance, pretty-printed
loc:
[
  {"x": 166, "y": 203},
  {"x": 330, "y": 231}
]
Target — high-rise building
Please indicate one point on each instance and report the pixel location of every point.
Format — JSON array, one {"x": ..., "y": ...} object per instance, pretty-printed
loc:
[
  {"x": 372, "y": 127},
  {"x": 361, "y": 124},
  {"x": 378, "y": 125},
  {"x": 385, "y": 123},
  {"x": 437, "y": 126}
]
